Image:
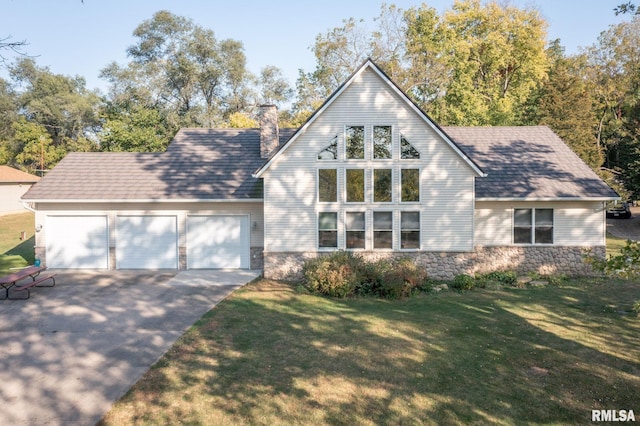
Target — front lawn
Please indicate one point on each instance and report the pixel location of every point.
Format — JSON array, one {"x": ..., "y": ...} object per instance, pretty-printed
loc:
[
  {"x": 271, "y": 355},
  {"x": 14, "y": 252}
]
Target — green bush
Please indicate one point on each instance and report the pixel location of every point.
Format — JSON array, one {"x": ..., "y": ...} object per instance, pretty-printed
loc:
[
  {"x": 463, "y": 282},
  {"x": 624, "y": 265},
  {"x": 335, "y": 275},
  {"x": 402, "y": 279},
  {"x": 503, "y": 277},
  {"x": 343, "y": 274}
]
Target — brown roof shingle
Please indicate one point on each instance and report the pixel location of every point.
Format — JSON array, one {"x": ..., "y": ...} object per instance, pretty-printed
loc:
[
  {"x": 216, "y": 164},
  {"x": 11, "y": 175},
  {"x": 527, "y": 163},
  {"x": 200, "y": 164}
]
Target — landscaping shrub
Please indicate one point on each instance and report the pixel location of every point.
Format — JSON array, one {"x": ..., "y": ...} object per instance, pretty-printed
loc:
[
  {"x": 403, "y": 279},
  {"x": 343, "y": 274},
  {"x": 503, "y": 277},
  {"x": 463, "y": 282},
  {"x": 624, "y": 265},
  {"x": 336, "y": 274}
]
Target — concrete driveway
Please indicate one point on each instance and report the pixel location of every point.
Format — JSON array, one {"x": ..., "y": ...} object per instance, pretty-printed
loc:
[{"x": 70, "y": 351}]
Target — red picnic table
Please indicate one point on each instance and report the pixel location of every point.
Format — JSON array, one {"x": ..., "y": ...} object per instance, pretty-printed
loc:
[{"x": 33, "y": 272}]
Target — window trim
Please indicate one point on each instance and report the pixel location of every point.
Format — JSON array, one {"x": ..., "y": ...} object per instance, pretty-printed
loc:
[
  {"x": 373, "y": 142},
  {"x": 364, "y": 185},
  {"x": 334, "y": 141},
  {"x": 402, "y": 182},
  {"x": 373, "y": 185},
  {"x": 318, "y": 200},
  {"x": 363, "y": 230},
  {"x": 532, "y": 226},
  {"x": 336, "y": 230},
  {"x": 374, "y": 229},
  {"x": 402, "y": 136},
  {"x": 419, "y": 230},
  {"x": 364, "y": 142}
]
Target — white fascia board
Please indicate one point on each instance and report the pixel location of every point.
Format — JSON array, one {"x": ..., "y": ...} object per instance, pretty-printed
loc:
[
  {"x": 313, "y": 118},
  {"x": 548, "y": 199},
  {"x": 317, "y": 113},
  {"x": 152, "y": 200}
]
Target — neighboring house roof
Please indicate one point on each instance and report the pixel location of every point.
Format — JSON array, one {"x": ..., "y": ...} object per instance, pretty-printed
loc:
[
  {"x": 369, "y": 64},
  {"x": 11, "y": 175},
  {"x": 528, "y": 163},
  {"x": 200, "y": 164}
]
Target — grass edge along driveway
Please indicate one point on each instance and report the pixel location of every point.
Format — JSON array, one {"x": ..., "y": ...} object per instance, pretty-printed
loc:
[{"x": 271, "y": 355}]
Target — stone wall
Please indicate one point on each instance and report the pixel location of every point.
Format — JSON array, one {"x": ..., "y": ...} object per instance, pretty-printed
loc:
[{"x": 446, "y": 265}]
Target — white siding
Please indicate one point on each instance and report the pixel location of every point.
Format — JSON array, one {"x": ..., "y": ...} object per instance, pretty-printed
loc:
[
  {"x": 10, "y": 197},
  {"x": 446, "y": 180},
  {"x": 581, "y": 224},
  {"x": 181, "y": 210}
]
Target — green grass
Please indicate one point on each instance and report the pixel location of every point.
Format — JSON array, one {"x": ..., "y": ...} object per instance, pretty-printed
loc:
[
  {"x": 614, "y": 245},
  {"x": 15, "y": 253},
  {"x": 270, "y": 355}
]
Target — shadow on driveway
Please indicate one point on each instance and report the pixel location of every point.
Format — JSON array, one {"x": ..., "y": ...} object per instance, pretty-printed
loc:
[{"x": 70, "y": 351}]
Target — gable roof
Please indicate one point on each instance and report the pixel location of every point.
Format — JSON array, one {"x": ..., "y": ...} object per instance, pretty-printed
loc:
[
  {"x": 199, "y": 164},
  {"x": 11, "y": 175},
  {"x": 369, "y": 64},
  {"x": 528, "y": 163}
]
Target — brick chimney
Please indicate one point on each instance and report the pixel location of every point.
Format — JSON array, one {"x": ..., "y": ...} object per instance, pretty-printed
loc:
[{"x": 269, "y": 134}]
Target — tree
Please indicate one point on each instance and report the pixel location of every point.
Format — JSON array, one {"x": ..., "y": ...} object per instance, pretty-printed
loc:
[
  {"x": 14, "y": 46},
  {"x": 492, "y": 55},
  {"x": 274, "y": 88},
  {"x": 613, "y": 66},
  {"x": 61, "y": 104},
  {"x": 565, "y": 104},
  {"x": 37, "y": 152},
  {"x": 341, "y": 49},
  {"x": 182, "y": 68}
]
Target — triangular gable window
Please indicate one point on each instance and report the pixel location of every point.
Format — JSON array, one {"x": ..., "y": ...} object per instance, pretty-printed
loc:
[
  {"x": 330, "y": 152},
  {"x": 408, "y": 151}
]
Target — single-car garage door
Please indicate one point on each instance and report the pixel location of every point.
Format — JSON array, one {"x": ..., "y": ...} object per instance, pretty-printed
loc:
[
  {"x": 146, "y": 242},
  {"x": 217, "y": 242},
  {"x": 77, "y": 242}
]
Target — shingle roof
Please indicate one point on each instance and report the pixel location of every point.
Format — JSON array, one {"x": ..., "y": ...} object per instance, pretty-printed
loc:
[
  {"x": 11, "y": 175},
  {"x": 199, "y": 164},
  {"x": 527, "y": 162},
  {"x": 202, "y": 164}
]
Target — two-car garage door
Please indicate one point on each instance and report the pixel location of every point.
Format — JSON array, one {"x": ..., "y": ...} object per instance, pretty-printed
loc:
[{"x": 147, "y": 242}]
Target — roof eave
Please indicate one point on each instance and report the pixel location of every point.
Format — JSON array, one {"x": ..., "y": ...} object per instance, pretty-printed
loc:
[
  {"x": 547, "y": 199},
  {"x": 143, "y": 200},
  {"x": 368, "y": 63}
]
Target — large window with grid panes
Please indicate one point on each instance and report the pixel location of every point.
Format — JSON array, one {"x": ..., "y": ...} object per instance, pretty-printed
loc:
[{"x": 368, "y": 186}]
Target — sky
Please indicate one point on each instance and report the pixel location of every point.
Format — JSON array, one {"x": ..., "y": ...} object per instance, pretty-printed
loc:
[{"x": 72, "y": 37}]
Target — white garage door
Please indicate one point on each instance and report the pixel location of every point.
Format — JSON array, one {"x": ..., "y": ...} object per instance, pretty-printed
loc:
[
  {"x": 77, "y": 242},
  {"x": 217, "y": 242},
  {"x": 146, "y": 242}
]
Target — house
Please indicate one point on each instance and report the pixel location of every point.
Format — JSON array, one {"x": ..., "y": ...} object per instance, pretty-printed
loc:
[
  {"x": 368, "y": 172},
  {"x": 13, "y": 184}
]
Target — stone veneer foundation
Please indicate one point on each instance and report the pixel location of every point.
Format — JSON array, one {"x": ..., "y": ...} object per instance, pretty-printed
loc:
[{"x": 446, "y": 265}]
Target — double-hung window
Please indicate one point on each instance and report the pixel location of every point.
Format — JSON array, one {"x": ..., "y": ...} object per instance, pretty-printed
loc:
[
  {"x": 355, "y": 224},
  {"x": 328, "y": 230},
  {"x": 382, "y": 230},
  {"x": 410, "y": 230},
  {"x": 533, "y": 226}
]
